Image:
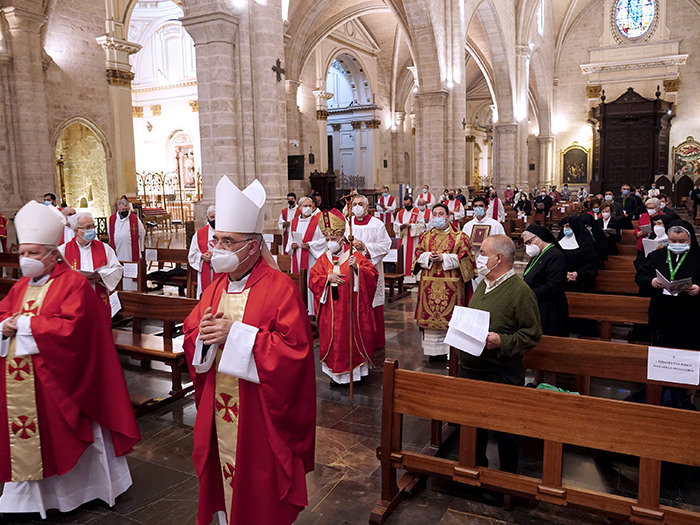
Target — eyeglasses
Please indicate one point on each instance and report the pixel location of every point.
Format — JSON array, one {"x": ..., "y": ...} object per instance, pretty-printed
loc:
[
  {"x": 229, "y": 242},
  {"x": 90, "y": 227}
]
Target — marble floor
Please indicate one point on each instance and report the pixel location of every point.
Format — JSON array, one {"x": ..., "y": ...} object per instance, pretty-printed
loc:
[{"x": 345, "y": 483}]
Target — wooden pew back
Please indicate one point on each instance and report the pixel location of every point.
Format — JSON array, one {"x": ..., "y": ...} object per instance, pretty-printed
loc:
[
  {"x": 300, "y": 279},
  {"x": 619, "y": 282},
  {"x": 620, "y": 263},
  {"x": 628, "y": 237},
  {"x": 608, "y": 309},
  {"x": 10, "y": 261},
  {"x": 652, "y": 433}
]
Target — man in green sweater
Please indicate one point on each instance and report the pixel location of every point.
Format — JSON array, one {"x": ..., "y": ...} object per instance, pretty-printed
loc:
[{"x": 514, "y": 329}]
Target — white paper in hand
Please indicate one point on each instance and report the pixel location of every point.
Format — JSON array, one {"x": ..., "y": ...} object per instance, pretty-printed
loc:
[
  {"x": 131, "y": 270},
  {"x": 392, "y": 256},
  {"x": 468, "y": 330},
  {"x": 114, "y": 303}
]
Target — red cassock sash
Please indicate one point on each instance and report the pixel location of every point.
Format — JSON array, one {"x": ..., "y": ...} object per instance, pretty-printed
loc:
[
  {"x": 495, "y": 208},
  {"x": 133, "y": 231},
  {"x": 77, "y": 373},
  {"x": 203, "y": 245},
  {"x": 308, "y": 236},
  {"x": 409, "y": 249},
  {"x": 285, "y": 217},
  {"x": 99, "y": 259},
  {"x": 458, "y": 206},
  {"x": 386, "y": 203},
  {"x": 3, "y": 232},
  {"x": 277, "y": 417}
]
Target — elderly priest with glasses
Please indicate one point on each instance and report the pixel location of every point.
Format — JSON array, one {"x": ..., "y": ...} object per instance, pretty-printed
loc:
[
  {"x": 250, "y": 346},
  {"x": 62, "y": 391}
]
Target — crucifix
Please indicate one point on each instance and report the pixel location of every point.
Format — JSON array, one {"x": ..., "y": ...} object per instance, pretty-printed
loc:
[{"x": 277, "y": 68}]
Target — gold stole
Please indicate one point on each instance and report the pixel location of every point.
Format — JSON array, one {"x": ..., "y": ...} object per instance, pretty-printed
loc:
[
  {"x": 232, "y": 305},
  {"x": 22, "y": 413}
]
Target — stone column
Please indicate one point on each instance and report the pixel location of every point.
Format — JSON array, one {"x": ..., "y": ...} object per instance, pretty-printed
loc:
[
  {"x": 505, "y": 160},
  {"x": 35, "y": 161},
  {"x": 119, "y": 77},
  {"x": 373, "y": 152},
  {"x": 546, "y": 174},
  {"x": 215, "y": 35},
  {"x": 469, "y": 155},
  {"x": 522, "y": 107},
  {"x": 357, "y": 149},
  {"x": 294, "y": 124},
  {"x": 322, "y": 98},
  {"x": 336, "y": 148},
  {"x": 399, "y": 173},
  {"x": 431, "y": 139},
  {"x": 9, "y": 183}
]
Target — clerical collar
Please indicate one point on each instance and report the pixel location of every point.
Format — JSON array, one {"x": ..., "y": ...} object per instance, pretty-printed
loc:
[
  {"x": 490, "y": 286},
  {"x": 41, "y": 281},
  {"x": 363, "y": 221},
  {"x": 239, "y": 285},
  {"x": 86, "y": 247}
]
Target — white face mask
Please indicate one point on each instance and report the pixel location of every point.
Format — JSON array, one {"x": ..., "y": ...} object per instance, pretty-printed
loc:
[
  {"x": 659, "y": 231},
  {"x": 651, "y": 211},
  {"x": 358, "y": 211},
  {"x": 662, "y": 205},
  {"x": 606, "y": 215},
  {"x": 333, "y": 246},
  {"x": 306, "y": 211},
  {"x": 532, "y": 250},
  {"x": 33, "y": 267},
  {"x": 421, "y": 207},
  {"x": 482, "y": 265},
  {"x": 224, "y": 261}
]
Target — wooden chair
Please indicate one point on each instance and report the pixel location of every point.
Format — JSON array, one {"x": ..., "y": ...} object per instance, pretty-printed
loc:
[
  {"x": 616, "y": 281},
  {"x": 395, "y": 279},
  {"x": 10, "y": 261},
  {"x": 300, "y": 279},
  {"x": 651, "y": 433},
  {"x": 284, "y": 262},
  {"x": 149, "y": 347},
  {"x": 608, "y": 310}
]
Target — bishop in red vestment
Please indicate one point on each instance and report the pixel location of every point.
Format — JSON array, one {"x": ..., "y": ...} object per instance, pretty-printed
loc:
[
  {"x": 251, "y": 356},
  {"x": 329, "y": 280},
  {"x": 62, "y": 391}
]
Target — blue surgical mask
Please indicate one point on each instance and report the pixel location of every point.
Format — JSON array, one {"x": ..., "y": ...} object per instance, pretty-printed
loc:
[
  {"x": 386, "y": 193},
  {"x": 47, "y": 203},
  {"x": 608, "y": 198},
  {"x": 479, "y": 211},
  {"x": 678, "y": 247},
  {"x": 625, "y": 192},
  {"x": 596, "y": 210},
  {"x": 89, "y": 235},
  {"x": 440, "y": 222},
  {"x": 568, "y": 232}
]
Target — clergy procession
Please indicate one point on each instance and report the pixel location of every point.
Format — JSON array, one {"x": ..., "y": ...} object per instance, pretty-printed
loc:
[{"x": 483, "y": 294}]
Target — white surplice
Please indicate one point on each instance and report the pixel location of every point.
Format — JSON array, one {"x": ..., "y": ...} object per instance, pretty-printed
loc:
[
  {"x": 413, "y": 231},
  {"x": 317, "y": 247},
  {"x": 122, "y": 245},
  {"x": 377, "y": 243},
  {"x": 110, "y": 274},
  {"x": 194, "y": 258}
]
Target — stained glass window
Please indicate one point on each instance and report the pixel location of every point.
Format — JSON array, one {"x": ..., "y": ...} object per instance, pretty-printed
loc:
[{"x": 634, "y": 17}]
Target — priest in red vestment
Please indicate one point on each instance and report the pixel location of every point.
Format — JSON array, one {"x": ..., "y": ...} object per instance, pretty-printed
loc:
[
  {"x": 63, "y": 396},
  {"x": 408, "y": 226},
  {"x": 126, "y": 236},
  {"x": 199, "y": 256},
  {"x": 252, "y": 360},
  {"x": 329, "y": 280},
  {"x": 386, "y": 206}
]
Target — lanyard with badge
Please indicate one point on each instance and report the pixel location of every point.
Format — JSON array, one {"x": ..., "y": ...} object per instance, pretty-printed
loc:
[
  {"x": 671, "y": 270},
  {"x": 536, "y": 259}
]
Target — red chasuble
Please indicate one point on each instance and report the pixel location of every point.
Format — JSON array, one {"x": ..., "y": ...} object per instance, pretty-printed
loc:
[
  {"x": 276, "y": 419},
  {"x": 203, "y": 245},
  {"x": 78, "y": 378},
  {"x": 334, "y": 315},
  {"x": 133, "y": 231}
]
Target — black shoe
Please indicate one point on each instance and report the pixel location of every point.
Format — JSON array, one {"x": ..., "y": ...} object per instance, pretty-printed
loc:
[{"x": 491, "y": 498}]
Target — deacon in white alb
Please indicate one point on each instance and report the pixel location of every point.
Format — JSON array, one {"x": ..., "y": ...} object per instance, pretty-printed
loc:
[
  {"x": 456, "y": 209},
  {"x": 371, "y": 240},
  {"x": 126, "y": 236},
  {"x": 68, "y": 232},
  {"x": 408, "y": 226},
  {"x": 386, "y": 206}
]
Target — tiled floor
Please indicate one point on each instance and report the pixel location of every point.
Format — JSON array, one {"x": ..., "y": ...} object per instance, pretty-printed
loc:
[{"x": 345, "y": 484}]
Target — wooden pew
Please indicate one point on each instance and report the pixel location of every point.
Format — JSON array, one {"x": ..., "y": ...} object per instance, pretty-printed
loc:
[
  {"x": 616, "y": 281},
  {"x": 652, "y": 433},
  {"x": 608, "y": 310},
  {"x": 284, "y": 262},
  {"x": 628, "y": 250},
  {"x": 148, "y": 347},
  {"x": 186, "y": 284},
  {"x": 395, "y": 279},
  {"x": 620, "y": 262},
  {"x": 300, "y": 279},
  {"x": 627, "y": 237},
  {"x": 602, "y": 359},
  {"x": 10, "y": 261},
  {"x": 5, "y": 285}
]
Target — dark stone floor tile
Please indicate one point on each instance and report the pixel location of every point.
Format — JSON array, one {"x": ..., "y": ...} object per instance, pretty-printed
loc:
[{"x": 167, "y": 511}]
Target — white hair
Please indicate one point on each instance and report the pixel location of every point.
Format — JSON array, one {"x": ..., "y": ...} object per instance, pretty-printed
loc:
[
  {"x": 654, "y": 201},
  {"x": 211, "y": 208},
  {"x": 365, "y": 200},
  {"x": 503, "y": 245},
  {"x": 74, "y": 219},
  {"x": 123, "y": 202}
]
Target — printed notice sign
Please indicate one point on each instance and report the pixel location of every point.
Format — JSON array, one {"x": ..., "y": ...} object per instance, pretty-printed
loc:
[
  {"x": 674, "y": 366},
  {"x": 151, "y": 254}
]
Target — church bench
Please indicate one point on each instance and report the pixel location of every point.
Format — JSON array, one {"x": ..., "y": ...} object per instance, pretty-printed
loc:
[
  {"x": 151, "y": 347},
  {"x": 629, "y": 250},
  {"x": 651, "y": 433},
  {"x": 608, "y": 310},
  {"x": 617, "y": 282},
  {"x": 395, "y": 279},
  {"x": 186, "y": 284},
  {"x": 619, "y": 262},
  {"x": 10, "y": 261},
  {"x": 601, "y": 359},
  {"x": 627, "y": 237}
]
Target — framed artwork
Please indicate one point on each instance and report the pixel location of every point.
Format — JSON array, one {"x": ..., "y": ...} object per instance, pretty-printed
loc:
[
  {"x": 686, "y": 158},
  {"x": 479, "y": 234},
  {"x": 575, "y": 164}
]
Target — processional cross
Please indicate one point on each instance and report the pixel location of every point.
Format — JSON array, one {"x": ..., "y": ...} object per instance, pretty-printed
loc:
[{"x": 277, "y": 68}]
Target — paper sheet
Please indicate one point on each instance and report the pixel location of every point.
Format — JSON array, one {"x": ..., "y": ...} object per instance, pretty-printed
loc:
[
  {"x": 468, "y": 330},
  {"x": 131, "y": 270},
  {"x": 470, "y": 213},
  {"x": 114, "y": 303},
  {"x": 298, "y": 238},
  {"x": 674, "y": 287},
  {"x": 649, "y": 246},
  {"x": 673, "y": 365},
  {"x": 151, "y": 254},
  {"x": 392, "y": 256},
  {"x": 269, "y": 237}
]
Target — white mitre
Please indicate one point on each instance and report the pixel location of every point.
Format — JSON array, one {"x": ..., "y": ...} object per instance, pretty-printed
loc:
[
  {"x": 239, "y": 211},
  {"x": 39, "y": 224}
]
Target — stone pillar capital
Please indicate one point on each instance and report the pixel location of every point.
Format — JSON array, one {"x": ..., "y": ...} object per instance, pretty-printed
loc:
[
  {"x": 356, "y": 124},
  {"x": 399, "y": 118},
  {"x": 373, "y": 124},
  {"x": 593, "y": 91},
  {"x": 117, "y": 53},
  {"x": 216, "y": 27},
  {"x": 336, "y": 127},
  {"x": 545, "y": 139},
  {"x": 291, "y": 86},
  {"x": 510, "y": 128},
  {"x": 321, "y": 114},
  {"x": 523, "y": 51},
  {"x": 432, "y": 98},
  {"x": 672, "y": 85},
  {"x": 23, "y": 20}
]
